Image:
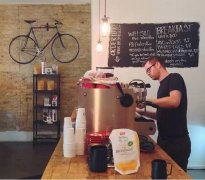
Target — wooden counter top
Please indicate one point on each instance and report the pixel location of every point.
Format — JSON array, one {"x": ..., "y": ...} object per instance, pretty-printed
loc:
[{"x": 60, "y": 167}]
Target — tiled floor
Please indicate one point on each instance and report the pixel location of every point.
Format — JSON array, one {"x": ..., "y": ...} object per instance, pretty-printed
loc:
[{"x": 23, "y": 160}]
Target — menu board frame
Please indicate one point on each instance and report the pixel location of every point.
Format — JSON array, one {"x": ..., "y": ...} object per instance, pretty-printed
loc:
[{"x": 131, "y": 44}]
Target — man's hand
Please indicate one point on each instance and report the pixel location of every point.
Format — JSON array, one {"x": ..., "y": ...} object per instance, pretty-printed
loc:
[
  {"x": 150, "y": 103},
  {"x": 140, "y": 110}
]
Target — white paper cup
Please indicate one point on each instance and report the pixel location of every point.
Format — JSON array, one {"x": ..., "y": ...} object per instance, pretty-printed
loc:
[
  {"x": 67, "y": 122},
  {"x": 81, "y": 118},
  {"x": 80, "y": 135},
  {"x": 68, "y": 135},
  {"x": 80, "y": 148},
  {"x": 69, "y": 150}
]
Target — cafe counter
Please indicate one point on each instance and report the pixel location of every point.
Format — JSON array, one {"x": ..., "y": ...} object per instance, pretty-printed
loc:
[{"x": 60, "y": 167}]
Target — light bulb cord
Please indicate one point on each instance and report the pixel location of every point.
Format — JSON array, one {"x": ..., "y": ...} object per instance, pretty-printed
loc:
[
  {"x": 105, "y": 8},
  {"x": 99, "y": 22}
]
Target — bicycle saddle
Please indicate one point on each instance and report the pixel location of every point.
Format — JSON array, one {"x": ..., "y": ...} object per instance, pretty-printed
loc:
[{"x": 30, "y": 21}]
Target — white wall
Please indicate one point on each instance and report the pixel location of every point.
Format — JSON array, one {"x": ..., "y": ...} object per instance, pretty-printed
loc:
[{"x": 158, "y": 11}]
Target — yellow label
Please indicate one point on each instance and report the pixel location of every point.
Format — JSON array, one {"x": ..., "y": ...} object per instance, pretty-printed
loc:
[{"x": 129, "y": 165}]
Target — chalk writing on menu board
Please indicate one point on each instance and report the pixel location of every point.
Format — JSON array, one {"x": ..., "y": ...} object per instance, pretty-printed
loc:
[{"x": 177, "y": 43}]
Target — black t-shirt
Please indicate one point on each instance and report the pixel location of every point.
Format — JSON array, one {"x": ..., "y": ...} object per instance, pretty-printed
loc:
[{"x": 172, "y": 122}]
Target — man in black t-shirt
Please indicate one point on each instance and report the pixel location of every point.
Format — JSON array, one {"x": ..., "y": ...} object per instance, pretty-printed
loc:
[{"x": 171, "y": 114}]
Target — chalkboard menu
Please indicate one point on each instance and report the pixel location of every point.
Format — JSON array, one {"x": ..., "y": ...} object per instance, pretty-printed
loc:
[{"x": 177, "y": 43}]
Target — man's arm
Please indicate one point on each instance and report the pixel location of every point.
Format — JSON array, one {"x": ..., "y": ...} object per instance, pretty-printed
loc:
[{"x": 171, "y": 101}]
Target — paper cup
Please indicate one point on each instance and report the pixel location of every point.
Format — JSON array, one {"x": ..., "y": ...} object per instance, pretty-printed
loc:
[
  {"x": 50, "y": 85},
  {"x": 68, "y": 135},
  {"x": 81, "y": 118},
  {"x": 80, "y": 148},
  {"x": 69, "y": 150},
  {"x": 41, "y": 84},
  {"x": 37, "y": 69},
  {"x": 67, "y": 122},
  {"x": 80, "y": 135}
]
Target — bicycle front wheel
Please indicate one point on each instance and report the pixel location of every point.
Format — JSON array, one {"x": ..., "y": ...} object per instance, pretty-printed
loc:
[
  {"x": 65, "y": 48},
  {"x": 22, "y": 49}
]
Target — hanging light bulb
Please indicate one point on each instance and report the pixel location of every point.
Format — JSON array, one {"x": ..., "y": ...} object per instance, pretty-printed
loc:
[
  {"x": 105, "y": 24},
  {"x": 99, "y": 46}
]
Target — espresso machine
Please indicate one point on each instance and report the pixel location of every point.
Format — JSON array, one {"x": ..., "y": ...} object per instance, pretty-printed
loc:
[{"x": 112, "y": 105}]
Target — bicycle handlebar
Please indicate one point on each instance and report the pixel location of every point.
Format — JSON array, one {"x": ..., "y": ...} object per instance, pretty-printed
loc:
[
  {"x": 47, "y": 26},
  {"x": 58, "y": 22}
]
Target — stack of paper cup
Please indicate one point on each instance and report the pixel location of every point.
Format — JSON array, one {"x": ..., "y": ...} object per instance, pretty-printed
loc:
[
  {"x": 67, "y": 122},
  {"x": 69, "y": 147},
  {"x": 81, "y": 118},
  {"x": 80, "y": 140}
]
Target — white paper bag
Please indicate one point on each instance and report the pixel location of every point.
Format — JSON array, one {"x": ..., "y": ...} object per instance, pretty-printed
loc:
[{"x": 126, "y": 150}]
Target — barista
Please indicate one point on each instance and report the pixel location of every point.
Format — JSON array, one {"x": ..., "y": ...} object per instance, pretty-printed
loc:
[{"x": 171, "y": 111}]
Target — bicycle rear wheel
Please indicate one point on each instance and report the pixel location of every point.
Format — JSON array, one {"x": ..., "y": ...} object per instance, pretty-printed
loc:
[
  {"x": 65, "y": 48},
  {"x": 22, "y": 49}
]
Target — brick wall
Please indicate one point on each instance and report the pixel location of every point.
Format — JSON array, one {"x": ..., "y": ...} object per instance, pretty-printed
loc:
[{"x": 16, "y": 103}]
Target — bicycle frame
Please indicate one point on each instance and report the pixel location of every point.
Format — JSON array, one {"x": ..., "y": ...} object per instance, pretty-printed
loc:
[
  {"x": 31, "y": 31},
  {"x": 25, "y": 48}
]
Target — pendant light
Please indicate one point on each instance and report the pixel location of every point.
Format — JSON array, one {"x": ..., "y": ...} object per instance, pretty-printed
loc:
[
  {"x": 105, "y": 24},
  {"x": 99, "y": 46}
]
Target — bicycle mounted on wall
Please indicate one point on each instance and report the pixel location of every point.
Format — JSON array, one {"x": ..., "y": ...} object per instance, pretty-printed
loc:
[{"x": 23, "y": 49}]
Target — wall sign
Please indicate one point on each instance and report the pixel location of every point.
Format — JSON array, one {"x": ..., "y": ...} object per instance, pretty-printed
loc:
[{"x": 177, "y": 43}]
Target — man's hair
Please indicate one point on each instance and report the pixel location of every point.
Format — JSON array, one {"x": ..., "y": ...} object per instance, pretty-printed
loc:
[{"x": 155, "y": 59}]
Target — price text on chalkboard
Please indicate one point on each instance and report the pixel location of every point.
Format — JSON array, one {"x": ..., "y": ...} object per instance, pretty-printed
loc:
[{"x": 131, "y": 44}]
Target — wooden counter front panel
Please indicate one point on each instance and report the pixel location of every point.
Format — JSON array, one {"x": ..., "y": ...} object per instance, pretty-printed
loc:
[{"x": 77, "y": 168}]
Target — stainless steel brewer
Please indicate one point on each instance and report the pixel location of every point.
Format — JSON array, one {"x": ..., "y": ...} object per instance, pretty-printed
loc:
[
  {"x": 104, "y": 110},
  {"x": 110, "y": 108},
  {"x": 140, "y": 92}
]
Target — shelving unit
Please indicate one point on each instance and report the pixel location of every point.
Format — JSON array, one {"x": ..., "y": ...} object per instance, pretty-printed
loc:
[{"x": 46, "y": 107}]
